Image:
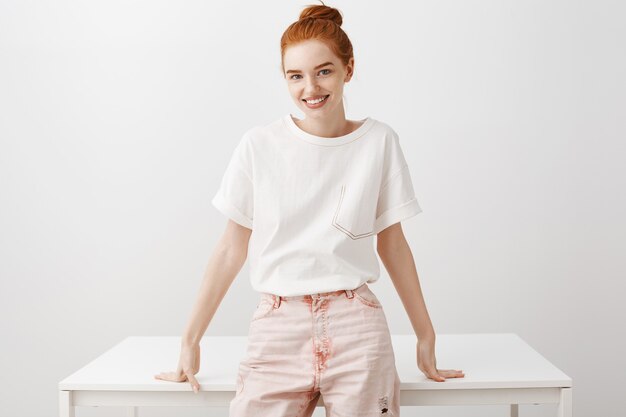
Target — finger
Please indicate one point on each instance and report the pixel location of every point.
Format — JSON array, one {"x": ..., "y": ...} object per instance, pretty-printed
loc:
[
  {"x": 451, "y": 373},
  {"x": 170, "y": 376},
  {"x": 162, "y": 375},
  {"x": 194, "y": 382},
  {"x": 433, "y": 374}
]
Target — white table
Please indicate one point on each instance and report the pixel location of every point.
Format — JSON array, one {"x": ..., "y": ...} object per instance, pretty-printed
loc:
[{"x": 499, "y": 369}]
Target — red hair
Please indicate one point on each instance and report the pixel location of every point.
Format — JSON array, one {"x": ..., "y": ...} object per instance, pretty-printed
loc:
[{"x": 322, "y": 23}]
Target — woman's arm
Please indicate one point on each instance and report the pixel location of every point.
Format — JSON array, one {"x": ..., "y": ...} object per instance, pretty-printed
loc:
[
  {"x": 225, "y": 263},
  {"x": 395, "y": 253}
]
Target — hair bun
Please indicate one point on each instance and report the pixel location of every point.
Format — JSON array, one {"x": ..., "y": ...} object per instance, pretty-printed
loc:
[{"x": 322, "y": 12}]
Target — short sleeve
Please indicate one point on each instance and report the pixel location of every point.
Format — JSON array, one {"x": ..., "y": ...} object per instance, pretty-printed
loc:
[
  {"x": 396, "y": 198},
  {"x": 235, "y": 196}
]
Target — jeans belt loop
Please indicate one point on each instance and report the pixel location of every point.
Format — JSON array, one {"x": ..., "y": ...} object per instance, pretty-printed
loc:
[
  {"x": 276, "y": 301},
  {"x": 349, "y": 293}
]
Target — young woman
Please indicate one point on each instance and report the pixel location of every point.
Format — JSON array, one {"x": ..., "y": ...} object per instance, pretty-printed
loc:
[{"x": 307, "y": 196}]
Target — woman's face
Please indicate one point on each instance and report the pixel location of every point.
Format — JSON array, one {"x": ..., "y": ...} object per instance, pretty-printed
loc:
[{"x": 312, "y": 71}]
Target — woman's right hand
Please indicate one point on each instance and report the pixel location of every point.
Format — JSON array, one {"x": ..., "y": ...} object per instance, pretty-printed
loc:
[{"x": 188, "y": 366}]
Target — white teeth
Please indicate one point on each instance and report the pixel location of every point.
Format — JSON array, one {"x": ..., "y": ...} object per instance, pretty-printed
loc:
[{"x": 319, "y": 100}]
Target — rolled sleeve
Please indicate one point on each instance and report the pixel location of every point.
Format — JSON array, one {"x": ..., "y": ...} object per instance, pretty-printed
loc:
[
  {"x": 396, "y": 199},
  {"x": 235, "y": 196}
]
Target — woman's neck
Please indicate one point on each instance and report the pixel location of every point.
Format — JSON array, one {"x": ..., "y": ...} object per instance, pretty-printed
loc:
[{"x": 328, "y": 128}]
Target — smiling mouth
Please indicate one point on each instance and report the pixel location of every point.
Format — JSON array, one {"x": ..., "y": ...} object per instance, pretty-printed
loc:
[{"x": 323, "y": 99}]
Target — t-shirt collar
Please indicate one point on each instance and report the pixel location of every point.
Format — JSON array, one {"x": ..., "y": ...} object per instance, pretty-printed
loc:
[{"x": 319, "y": 140}]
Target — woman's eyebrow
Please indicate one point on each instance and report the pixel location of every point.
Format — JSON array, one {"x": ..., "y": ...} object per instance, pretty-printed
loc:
[{"x": 319, "y": 66}]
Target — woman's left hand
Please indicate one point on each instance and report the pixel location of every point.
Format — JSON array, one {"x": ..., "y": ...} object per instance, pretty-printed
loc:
[{"x": 427, "y": 363}]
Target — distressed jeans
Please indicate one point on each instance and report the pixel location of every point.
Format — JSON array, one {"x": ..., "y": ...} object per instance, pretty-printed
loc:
[{"x": 335, "y": 344}]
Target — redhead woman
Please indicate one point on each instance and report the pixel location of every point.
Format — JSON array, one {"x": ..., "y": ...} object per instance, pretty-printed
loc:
[{"x": 305, "y": 199}]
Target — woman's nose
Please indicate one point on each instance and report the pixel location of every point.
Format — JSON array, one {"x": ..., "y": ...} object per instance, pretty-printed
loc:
[{"x": 311, "y": 85}]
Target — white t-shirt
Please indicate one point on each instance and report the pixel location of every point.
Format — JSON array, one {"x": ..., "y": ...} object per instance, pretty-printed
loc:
[{"x": 314, "y": 204}]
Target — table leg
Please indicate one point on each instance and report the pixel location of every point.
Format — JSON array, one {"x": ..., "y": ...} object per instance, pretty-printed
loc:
[
  {"x": 131, "y": 411},
  {"x": 514, "y": 410},
  {"x": 66, "y": 408},
  {"x": 565, "y": 404}
]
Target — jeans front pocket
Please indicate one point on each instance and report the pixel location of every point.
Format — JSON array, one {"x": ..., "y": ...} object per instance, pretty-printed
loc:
[
  {"x": 355, "y": 213},
  {"x": 265, "y": 307},
  {"x": 367, "y": 297}
]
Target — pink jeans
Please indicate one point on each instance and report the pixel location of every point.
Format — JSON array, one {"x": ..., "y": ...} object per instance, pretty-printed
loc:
[{"x": 335, "y": 344}]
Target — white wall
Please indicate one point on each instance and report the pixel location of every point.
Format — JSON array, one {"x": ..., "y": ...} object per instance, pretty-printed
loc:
[{"x": 117, "y": 120}]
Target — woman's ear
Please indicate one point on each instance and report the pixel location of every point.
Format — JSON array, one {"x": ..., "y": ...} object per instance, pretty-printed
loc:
[{"x": 350, "y": 70}]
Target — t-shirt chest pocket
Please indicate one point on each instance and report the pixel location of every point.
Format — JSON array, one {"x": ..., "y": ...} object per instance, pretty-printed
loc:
[{"x": 355, "y": 211}]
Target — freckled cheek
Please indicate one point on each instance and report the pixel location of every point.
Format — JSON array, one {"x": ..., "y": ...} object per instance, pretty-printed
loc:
[{"x": 336, "y": 87}]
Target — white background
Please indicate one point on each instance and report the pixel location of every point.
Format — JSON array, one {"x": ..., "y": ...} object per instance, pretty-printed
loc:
[{"x": 117, "y": 120}]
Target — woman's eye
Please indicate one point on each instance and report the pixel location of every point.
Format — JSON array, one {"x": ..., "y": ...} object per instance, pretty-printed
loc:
[{"x": 297, "y": 75}]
